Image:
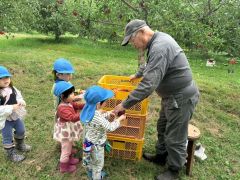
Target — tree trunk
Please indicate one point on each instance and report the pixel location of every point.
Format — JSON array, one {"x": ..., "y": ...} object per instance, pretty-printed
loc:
[{"x": 57, "y": 35}]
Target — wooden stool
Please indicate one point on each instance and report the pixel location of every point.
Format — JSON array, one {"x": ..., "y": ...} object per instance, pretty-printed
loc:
[{"x": 193, "y": 135}]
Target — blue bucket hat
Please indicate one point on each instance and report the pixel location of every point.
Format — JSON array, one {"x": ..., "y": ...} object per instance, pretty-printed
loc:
[
  {"x": 60, "y": 87},
  {"x": 93, "y": 95},
  {"x": 4, "y": 72},
  {"x": 62, "y": 65}
]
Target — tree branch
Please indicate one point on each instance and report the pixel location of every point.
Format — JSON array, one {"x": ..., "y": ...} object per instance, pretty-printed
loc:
[
  {"x": 108, "y": 23},
  {"x": 130, "y": 5},
  {"x": 189, "y": 2},
  {"x": 211, "y": 10},
  {"x": 145, "y": 10}
]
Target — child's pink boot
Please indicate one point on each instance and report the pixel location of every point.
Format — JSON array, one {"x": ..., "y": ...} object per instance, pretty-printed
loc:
[
  {"x": 74, "y": 151},
  {"x": 66, "y": 167},
  {"x": 73, "y": 161}
]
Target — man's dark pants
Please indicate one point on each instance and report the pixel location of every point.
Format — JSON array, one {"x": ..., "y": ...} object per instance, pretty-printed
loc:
[{"x": 172, "y": 127}]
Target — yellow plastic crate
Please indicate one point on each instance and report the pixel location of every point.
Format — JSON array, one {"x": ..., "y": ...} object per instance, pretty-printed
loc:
[
  {"x": 122, "y": 87},
  {"x": 125, "y": 148},
  {"x": 139, "y": 108},
  {"x": 118, "y": 82},
  {"x": 132, "y": 127}
]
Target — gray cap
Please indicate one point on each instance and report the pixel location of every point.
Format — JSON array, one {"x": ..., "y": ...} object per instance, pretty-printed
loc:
[{"x": 132, "y": 27}]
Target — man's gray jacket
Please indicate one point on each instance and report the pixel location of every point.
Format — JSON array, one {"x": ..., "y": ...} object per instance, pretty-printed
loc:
[{"x": 167, "y": 71}]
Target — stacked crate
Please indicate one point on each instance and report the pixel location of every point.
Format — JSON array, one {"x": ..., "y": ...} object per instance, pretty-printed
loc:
[{"x": 127, "y": 141}]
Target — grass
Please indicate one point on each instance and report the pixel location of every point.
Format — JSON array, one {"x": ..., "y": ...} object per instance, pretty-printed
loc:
[{"x": 30, "y": 59}]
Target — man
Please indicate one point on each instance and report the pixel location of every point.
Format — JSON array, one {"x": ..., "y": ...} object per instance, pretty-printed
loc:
[{"x": 168, "y": 73}]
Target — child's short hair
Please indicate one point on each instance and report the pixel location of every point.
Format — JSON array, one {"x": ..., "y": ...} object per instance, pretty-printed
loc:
[
  {"x": 66, "y": 93},
  {"x": 102, "y": 102},
  {"x": 54, "y": 75}
]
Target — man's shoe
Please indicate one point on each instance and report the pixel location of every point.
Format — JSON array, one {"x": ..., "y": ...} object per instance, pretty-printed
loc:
[
  {"x": 159, "y": 159},
  {"x": 168, "y": 175}
]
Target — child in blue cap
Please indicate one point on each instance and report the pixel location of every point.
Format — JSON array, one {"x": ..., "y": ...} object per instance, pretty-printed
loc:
[
  {"x": 62, "y": 71},
  {"x": 68, "y": 128},
  {"x": 96, "y": 127},
  {"x": 12, "y": 112}
]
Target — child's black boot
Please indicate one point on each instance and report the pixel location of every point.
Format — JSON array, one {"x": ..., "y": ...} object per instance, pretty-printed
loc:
[
  {"x": 21, "y": 146},
  {"x": 13, "y": 156}
]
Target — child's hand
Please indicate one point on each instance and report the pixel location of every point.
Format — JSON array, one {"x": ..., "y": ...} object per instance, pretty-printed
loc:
[
  {"x": 118, "y": 108},
  {"x": 112, "y": 113},
  {"x": 79, "y": 92},
  {"x": 102, "y": 111},
  {"x": 22, "y": 103},
  {"x": 121, "y": 113},
  {"x": 122, "y": 117},
  {"x": 16, "y": 107},
  {"x": 82, "y": 92},
  {"x": 77, "y": 98}
]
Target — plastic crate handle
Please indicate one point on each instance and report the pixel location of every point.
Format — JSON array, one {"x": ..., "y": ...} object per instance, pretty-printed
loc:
[
  {"x": 128, "y": 81},
  {"x": 125, "y": 80},
  {"x": 118, "y": 144}
]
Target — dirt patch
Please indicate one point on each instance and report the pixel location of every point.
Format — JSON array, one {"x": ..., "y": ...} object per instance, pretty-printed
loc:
[
  {"x": 214, "y": 129},
  {"x": 17, "y": 71}
]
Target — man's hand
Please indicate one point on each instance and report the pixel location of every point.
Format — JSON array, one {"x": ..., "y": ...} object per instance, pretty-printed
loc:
[
  {"x": 118, "y": 108},
  {"x": 132, "y": 77}
]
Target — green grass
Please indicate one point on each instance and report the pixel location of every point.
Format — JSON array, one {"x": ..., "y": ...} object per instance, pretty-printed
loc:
[{"x": 30, "y": 59}]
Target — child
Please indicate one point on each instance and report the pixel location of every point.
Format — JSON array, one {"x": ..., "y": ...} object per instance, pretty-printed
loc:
[
  {"x": 62, "y": 71},
  {"x": 12, "y": 112},
  {"x": 68, "y": 127},
  {"x": 96, "y": 127}
]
